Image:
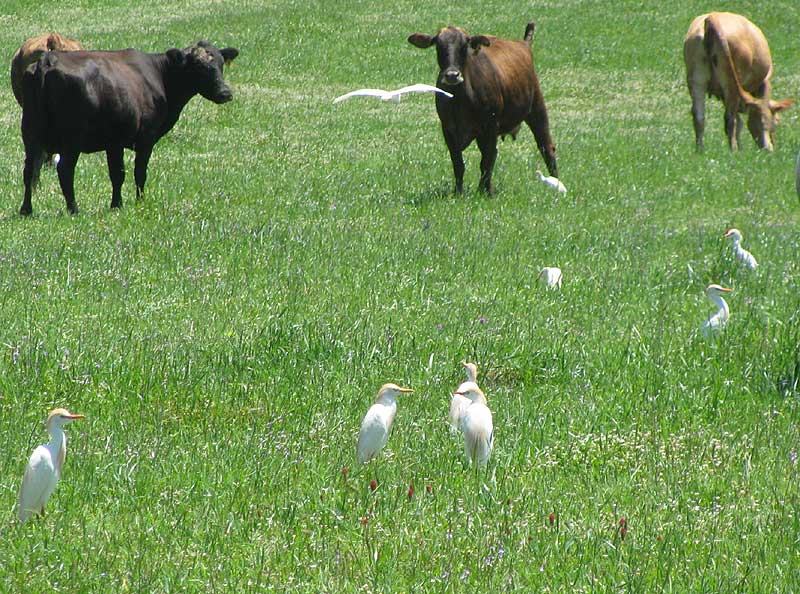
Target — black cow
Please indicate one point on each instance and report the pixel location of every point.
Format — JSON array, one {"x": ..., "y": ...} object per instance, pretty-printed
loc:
[
  {"x": 85, "y": 102},
  {"x": 495, "y": 89}
]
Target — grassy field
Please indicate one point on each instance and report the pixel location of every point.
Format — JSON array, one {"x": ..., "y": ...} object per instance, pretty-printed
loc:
[{"x": 225, "y": 335}]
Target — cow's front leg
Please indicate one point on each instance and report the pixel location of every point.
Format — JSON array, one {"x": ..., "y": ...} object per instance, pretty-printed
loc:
[
  {"x": 487, "y": 144},
  {"x": 140, "y": 168},
  {"x": 457, "y": 158},
  {"x": 731, "y": 126},
  {"x": 739, "y": 127},
  {"x": 66, "y": 178}
]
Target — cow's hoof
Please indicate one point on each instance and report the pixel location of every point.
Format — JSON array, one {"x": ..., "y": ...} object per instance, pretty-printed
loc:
[{"x": 25, "y": 211}]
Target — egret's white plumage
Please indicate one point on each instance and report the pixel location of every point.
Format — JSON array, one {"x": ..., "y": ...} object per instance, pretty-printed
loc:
[
  {"x": 476, "y": 425},
  {"x": 458, "y": 402},
  {"x": 377, "y": 423},
  {"x": 393, "y": 96},
  {"x": 551, "y": 277},
  {"x": 717, "y": 321},
  {"x": 746, "y": 257},
  {"x": 44, "y": 466},
  {"x": 552, "y": 182}
]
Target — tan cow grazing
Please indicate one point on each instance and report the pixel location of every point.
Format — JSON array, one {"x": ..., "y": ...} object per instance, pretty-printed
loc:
[
  {"x": 728, "y": 57},
  {"x": 29, "y": 53}
]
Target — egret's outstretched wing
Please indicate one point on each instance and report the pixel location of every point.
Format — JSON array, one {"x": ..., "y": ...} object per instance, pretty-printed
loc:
[
  {"x": 362, "y": 93},
  {"x": 421, "y": 88}
]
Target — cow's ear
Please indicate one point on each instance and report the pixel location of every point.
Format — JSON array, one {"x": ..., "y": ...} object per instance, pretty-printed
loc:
[
  {"x": 176, "y": 56},
  {"x": 228, "y": 54},
  {"x": 477, "y": 41},
  {"x": 782, "y": 105},
  {"x": 421, "y": 40}
]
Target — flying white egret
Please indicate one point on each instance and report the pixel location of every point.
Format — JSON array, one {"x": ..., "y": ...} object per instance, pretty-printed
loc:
[
  {"x": 459, "y": 403},
  {"x": 476, "y": 425},
  {"x": 393, "y": 96},
  {"x": 716, "y": 322},
  {"x": 44, "y": 466},
  {"x": 552, "y": 182},
  {"x": 378, "y": 421},
  {"x": 551, "y": 277},
  {"x": 741, "y": 253}
]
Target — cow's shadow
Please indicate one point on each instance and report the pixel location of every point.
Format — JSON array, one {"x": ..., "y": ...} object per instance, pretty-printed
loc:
[{"x": 424, "y": 197}]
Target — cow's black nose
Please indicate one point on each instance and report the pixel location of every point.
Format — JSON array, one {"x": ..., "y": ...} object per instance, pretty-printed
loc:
[{"x": 453, "y": 77}]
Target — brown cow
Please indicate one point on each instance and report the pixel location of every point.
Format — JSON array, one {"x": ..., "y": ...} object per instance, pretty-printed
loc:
[
  {"x": 728, "y": 57},
  {"x": 495, "y": 89},
  {"x": 29, "y": 53}
]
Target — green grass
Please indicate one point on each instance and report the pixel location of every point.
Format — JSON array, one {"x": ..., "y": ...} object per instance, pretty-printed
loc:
[{"x": 225, "y": 335}]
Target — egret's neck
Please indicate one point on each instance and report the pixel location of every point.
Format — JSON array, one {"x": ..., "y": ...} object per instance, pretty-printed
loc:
[
  {"x": 478, "y": 398},
  {"x": 386, "y": 400},
  {"x": 58, "y": 445},
  {"x": 736, "y": 242},
  {"x": 722, "y": 305}
]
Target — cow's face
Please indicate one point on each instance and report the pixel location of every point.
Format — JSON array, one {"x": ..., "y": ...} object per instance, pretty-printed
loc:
[
  {"x": 762, "y": 119},
  {"x": 202, "y": 65},
  {"x": 453, "y": 47}
]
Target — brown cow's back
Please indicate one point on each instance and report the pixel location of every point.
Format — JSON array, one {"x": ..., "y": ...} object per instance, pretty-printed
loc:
[
  {"x": 515, "y": 76},
  {"x": 30, "y": 51}
]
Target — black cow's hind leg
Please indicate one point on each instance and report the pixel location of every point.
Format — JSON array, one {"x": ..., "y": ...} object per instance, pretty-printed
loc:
[
  {"x": 66, "y": 178},
  {"x": 539, "y": 124},
  {"x": 140, "y": 168},
  {"x": 30, "y": 175},
  {"x": 116, "y": 171}
]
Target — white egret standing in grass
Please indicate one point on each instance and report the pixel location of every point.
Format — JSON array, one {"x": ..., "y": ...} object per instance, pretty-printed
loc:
[
  {"x": 551, "y": 277},
  {"x": 459, "y": 403},
  {"x": 717, "y": 321},
  {"x": 377, "y": 423},
  {"x": 393, "y": 96},
  {"x": 741, "y": 253},
  {"x": 476, "y": 425},
  {"x": 44, "y": 466},
  {"x": 552, "y": 182}
]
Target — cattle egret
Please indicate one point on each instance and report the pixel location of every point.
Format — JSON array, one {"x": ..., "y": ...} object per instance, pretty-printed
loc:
[
  {"x": 551, "y": 182},
  {"x": 476, "y": 425},
  {"x": 393, "y": 96},
  {"x": 716, "y": 322},
  {"x": 741, "y": 253},
  {"x": 551, "y": 277},
  {"x": 378, "y": 421},
  {"x": 44, "y": 466},
  {"x": 459, "y": 403}
]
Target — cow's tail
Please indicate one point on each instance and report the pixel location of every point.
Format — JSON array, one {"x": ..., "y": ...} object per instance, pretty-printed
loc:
[
  {"x": 718, "y": 53},
  {"x": 528, "y": 38}
]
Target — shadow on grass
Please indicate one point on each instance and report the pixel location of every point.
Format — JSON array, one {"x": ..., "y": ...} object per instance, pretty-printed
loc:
[{"x": 425, "y": 197}]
